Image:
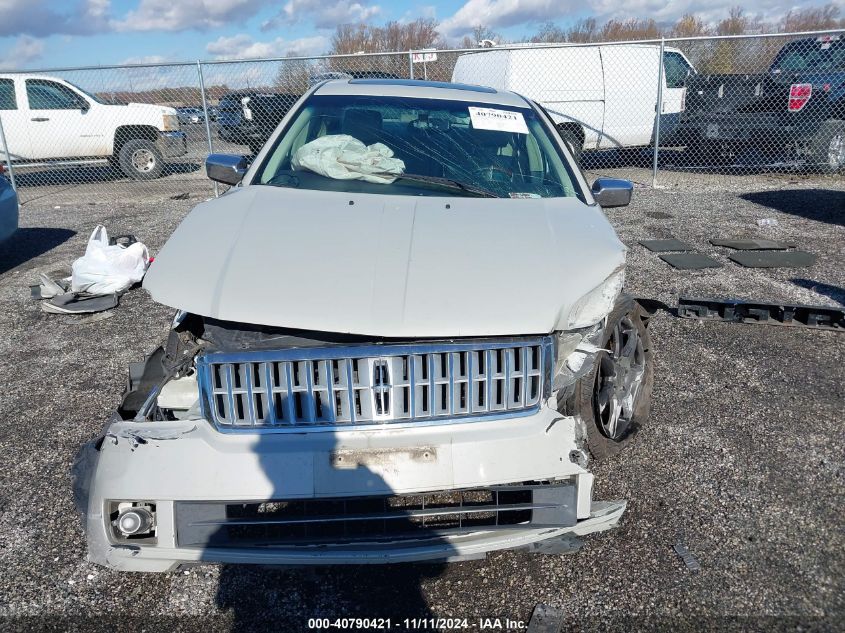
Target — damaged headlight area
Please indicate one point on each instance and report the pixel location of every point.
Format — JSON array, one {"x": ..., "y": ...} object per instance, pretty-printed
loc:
[
  {"x": 578, "y": 346},
  {"x": 594, "y": 306},
  {"x": 575, "y": 353},
  {"x": 164, "y": 385}
]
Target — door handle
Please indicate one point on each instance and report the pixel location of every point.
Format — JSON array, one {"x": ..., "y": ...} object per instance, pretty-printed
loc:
[{"x": 40, "y": 119}]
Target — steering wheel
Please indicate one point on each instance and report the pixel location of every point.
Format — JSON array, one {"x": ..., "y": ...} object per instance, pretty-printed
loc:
[{"x": 489, "y": 174}]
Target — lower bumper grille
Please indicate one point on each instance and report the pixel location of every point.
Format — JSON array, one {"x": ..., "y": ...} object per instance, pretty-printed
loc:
[{"x": 370, "y": 519}]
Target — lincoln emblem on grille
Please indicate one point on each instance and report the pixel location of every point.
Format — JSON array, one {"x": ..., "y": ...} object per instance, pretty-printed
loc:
[{"x": 381, "y": 386}]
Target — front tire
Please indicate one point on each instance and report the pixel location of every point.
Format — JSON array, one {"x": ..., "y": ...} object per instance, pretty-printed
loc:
[
  {"x": 828, "y": 147},
  {"x": 140, "y": 160},
  {"x": 614, "y": 398}
]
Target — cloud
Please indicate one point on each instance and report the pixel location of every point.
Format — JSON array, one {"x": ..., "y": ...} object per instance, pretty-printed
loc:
[
  {"x": 40, "y": 18},
  {"x": 508, "y": 13},
  {"x": 181, "y": 15},
  {"x": 23, "y": 52},
  {"x": 147, "y": 59},
  {"x": 502, "y": 14},
  {"x": 323, "y": 14},
  {"x": 243, "y": 46}
]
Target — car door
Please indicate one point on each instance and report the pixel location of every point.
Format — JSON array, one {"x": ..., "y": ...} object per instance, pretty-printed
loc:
[
  {"x": 15, "y": 122},
  {"x": 62, "y": 122},
  {"x": 676, "y": 71}
]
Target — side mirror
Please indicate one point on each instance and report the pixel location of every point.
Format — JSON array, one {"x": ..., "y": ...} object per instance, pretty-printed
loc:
[
  {"x": 612, "y": 192},
  {"x": 226, "y": 168}
]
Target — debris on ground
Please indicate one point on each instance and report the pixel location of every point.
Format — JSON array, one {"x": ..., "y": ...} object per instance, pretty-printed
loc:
[
  {"x": 689, "y": 560},
  {"x": 754, "y": 244},
  {"x": 108, "y": 268},
  {"x": 690, "y": 261},
  {"x": 736, "y": 311},
  {"x": 546, "y": 619},
  {"x": 774, "y": 259}
]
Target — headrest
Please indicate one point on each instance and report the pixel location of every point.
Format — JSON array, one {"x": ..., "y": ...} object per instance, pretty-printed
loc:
[{"x": 361, "y": 119}]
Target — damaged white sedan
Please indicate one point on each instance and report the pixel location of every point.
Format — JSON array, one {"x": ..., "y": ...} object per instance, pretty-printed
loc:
[{"x": 401, "y": 337}]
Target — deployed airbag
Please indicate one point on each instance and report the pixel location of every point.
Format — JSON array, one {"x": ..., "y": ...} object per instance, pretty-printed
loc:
[{"x": 344, "y": 157}]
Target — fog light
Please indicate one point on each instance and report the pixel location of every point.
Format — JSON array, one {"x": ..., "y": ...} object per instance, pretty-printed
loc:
[{"x": 135, "y": 521}]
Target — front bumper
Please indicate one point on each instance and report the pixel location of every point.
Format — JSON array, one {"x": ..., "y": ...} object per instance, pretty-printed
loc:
[
  {"x": 168, "y": 463},
  {"x": 172, "y": 144}
]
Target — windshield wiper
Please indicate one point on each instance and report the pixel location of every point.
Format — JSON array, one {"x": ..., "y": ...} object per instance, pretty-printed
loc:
[{"x": 449, "y": 183}]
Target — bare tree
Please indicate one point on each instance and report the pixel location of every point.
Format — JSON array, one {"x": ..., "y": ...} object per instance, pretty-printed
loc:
[
  {"x": 812, "y": 19},
  {"x": 549, "y": 33},
  {"x": 294, "y": 75},
  {"x": 689, "y": 26},
  {"x": 481, "y": 32},
  {"x": 584, "y": 31},
  {"x": 393, "y": 36},
  {"x": 631, "y": 29}
]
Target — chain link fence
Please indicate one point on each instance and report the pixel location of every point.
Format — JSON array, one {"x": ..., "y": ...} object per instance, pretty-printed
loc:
[{"x": 686, "y": 113}]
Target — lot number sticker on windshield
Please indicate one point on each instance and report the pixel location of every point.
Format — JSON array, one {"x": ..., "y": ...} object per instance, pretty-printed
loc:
[{"x": 500, "y": 120}]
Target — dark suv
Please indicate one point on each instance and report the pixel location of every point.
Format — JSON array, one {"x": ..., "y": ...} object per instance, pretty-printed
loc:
[{"x": 249, "y": 117}]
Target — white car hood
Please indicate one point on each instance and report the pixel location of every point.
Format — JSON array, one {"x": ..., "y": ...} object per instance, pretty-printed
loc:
[
  {"x": 151, "y": 108},
  {"x": 386, "y": 266}
]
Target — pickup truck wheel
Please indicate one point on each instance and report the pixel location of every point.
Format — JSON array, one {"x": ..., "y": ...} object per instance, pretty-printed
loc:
[
  {"x": 614, "y": 398},
  {"x": 573, "y": 142},
  {"x": 141, "y": 160},
  {"x": 828, "y": 146}
]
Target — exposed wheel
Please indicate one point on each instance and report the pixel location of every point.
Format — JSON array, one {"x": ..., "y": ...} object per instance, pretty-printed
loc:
[
  {"x": 573, "y": 142},
  {"x": 828, "y": 146},
  {"x": 141, "y": 160},
  {"x": 614, "y": 398}
]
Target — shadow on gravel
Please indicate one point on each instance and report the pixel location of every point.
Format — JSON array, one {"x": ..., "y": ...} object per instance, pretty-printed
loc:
[
  {"x": 373, "y": 524},
  {"x": 286, "y": 599},
  {"x": 26, "y": 244},
  {"x": 837, "y": 293},
  {"x": 821, "y": 205},
  {"x": 96, "y": 173}
]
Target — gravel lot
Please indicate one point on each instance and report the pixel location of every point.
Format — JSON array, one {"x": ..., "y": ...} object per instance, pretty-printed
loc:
[{"x": 742, "y": 459}]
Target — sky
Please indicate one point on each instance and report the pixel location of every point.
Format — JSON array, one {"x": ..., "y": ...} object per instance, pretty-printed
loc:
[{"x": 61, "y": 33}]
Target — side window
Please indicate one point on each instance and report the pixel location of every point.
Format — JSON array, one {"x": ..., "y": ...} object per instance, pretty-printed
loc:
[
  {"x": 675, "y": 69},
  {"x": 7, "y": 95},
  {"x": 48, "y": 95}
]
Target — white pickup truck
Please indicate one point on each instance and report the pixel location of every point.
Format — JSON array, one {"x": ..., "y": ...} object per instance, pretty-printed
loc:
[{"x": 47, "y": 119}]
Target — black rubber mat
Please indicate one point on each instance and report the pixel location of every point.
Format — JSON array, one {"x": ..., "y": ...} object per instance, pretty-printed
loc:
[
  {"x": 774, "y": 259},
  {"x": 690, "y": 261},
  {"x": 754, "y": 244},
  {"x": 664, "y": 246}
]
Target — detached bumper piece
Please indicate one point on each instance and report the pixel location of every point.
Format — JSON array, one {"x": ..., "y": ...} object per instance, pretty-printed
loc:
[
  {"x": 374, "y": 521},
  {"x": 818, "y": 317}
]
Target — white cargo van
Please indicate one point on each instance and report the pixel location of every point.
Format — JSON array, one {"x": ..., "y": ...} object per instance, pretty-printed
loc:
[
  {"x": 599, "y": 96},
  {"x": 48, "y": 121}
]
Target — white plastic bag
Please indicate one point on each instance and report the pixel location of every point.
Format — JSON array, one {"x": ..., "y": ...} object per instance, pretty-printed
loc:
[
  {"x": 106, "y": 268},
  {"x": 344, "y": 157}
]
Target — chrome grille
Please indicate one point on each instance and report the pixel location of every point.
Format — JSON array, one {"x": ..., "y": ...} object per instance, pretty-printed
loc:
[{"x": 373, "y": 384}]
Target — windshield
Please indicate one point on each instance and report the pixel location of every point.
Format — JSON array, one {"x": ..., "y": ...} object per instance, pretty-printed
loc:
[
  {"x": 811, "y": 55},
  {"x": 88, "y": 94},
  {"x": 403, "y": 146}
]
